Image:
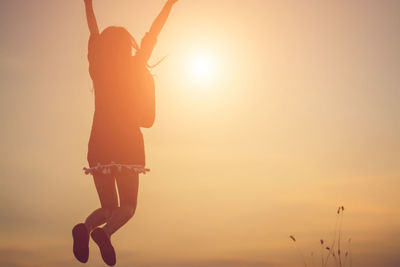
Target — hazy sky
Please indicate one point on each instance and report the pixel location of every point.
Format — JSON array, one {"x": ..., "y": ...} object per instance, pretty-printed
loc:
[{"x": 302, "y": 115}]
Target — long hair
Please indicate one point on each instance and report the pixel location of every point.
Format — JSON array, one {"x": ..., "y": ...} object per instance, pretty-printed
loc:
[
  {"x": 116, "y": 41},
  {"x": 116, "y": 44},
  {"x": 113, "y": 54},
  {"x": 124, "y": 85}
]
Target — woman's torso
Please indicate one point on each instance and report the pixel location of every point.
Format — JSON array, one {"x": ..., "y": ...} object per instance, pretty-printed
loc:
[{"x": 115, "y": 133}]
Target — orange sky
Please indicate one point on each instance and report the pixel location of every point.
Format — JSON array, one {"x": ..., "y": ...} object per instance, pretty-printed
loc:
[{"x": 303, "y": 117}]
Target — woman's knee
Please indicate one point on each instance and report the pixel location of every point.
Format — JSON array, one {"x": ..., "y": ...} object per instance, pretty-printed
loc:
[
  {"x": 129, "y": 210},
  {"x": 108, "y": 211}
]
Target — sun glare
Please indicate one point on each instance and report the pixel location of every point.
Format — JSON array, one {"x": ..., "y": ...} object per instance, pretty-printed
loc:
[{"x": 203, "y": 68}]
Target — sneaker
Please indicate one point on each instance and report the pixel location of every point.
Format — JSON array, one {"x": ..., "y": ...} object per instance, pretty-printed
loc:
[
  {"x": 80, "y": 235},
  {"x": 106, "y": 249}
]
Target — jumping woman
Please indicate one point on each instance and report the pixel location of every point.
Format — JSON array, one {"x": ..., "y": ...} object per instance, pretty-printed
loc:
[{"x": 124, "y": 102}]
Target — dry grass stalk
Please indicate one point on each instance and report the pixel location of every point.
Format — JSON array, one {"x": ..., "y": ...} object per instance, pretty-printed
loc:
[
  {"x": 337, "y": 229},
  {"x": 298, "y": 250},
  {"x": 337, "y": 254}
]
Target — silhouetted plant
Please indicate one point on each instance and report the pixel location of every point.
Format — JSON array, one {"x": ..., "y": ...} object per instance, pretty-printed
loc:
[{"x": 334, "y": 250}]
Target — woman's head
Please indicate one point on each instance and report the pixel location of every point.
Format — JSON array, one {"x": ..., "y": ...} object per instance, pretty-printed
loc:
[{"x": 116, "y": 42}]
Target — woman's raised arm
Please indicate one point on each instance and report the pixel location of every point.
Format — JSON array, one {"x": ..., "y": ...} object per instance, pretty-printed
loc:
[
  {"x": 159, "y": 22},
  {"x": 150, "y": 38},
  {"x": 91, "y": 18}
]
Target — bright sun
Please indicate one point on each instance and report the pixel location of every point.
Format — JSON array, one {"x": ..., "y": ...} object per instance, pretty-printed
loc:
[{"x": 203, "y": 68}]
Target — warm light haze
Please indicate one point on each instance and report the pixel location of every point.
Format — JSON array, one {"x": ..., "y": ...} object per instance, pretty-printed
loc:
[
  {"x": 203, "y": 68},
  {"x": 270, "y": 115}
]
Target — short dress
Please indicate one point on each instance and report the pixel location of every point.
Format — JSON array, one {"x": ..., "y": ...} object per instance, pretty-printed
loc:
[{"x": 116, "y": 141}]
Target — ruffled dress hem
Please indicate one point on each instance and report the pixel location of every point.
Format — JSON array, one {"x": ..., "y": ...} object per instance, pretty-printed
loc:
[{"x": 113, "y": 168}]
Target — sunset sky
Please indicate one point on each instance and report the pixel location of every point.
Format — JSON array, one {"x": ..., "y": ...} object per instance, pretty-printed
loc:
[{"x": 270, "y": 114}]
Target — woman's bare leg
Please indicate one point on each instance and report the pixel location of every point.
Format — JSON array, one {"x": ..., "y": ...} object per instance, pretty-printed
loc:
[
  {"x": 105, "y": 186},
  {"x": 128, "y": 185}
]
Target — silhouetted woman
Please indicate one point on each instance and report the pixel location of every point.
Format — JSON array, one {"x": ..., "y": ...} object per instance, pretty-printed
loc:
[{"x": 124, "y": 102}]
